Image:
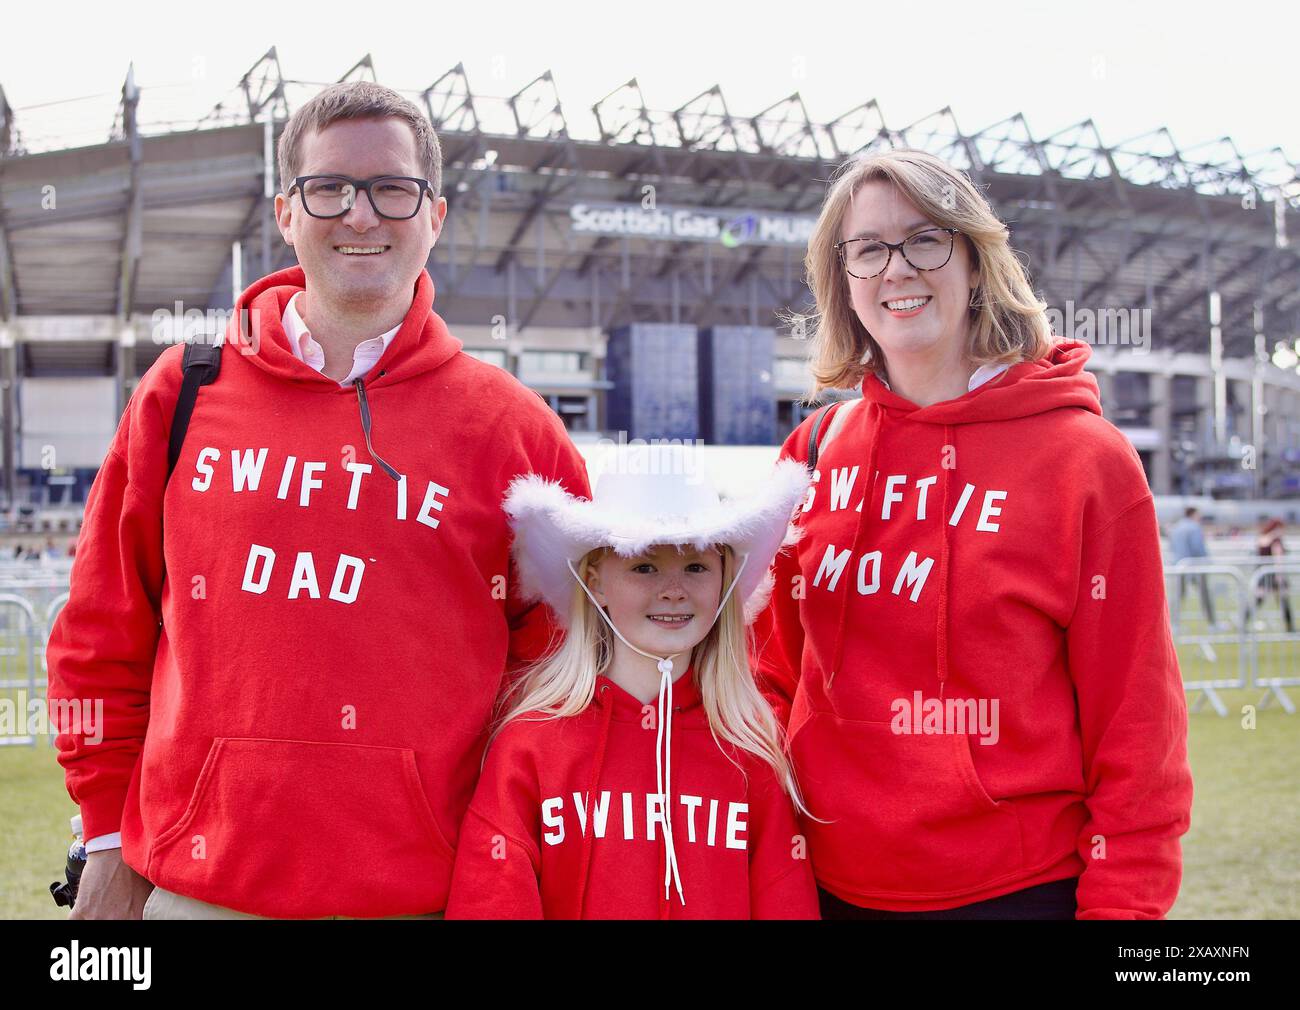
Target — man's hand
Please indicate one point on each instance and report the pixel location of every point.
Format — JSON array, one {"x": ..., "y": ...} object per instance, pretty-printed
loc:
[{"x": 110, "y": 889}]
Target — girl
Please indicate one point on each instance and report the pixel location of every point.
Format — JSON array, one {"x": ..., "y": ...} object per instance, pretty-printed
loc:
[{"x": 637, "y": 772}]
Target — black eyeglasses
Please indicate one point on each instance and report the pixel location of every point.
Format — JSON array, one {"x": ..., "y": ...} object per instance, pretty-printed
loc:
[
  {"x": 865, "y": 258},
  {"x": 396, "y": 197}
]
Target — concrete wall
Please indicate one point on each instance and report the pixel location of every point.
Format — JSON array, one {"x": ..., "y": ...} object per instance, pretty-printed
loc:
[{"x": 74, "y": 416}]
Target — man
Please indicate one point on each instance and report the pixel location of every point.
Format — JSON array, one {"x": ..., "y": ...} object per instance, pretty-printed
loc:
[
  {"x": 1187, "y": 541},
  {"x": 299, "y": 638}
]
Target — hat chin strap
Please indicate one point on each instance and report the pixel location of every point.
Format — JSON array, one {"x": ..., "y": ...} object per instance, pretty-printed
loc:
[{"x": 663, "y": 740}]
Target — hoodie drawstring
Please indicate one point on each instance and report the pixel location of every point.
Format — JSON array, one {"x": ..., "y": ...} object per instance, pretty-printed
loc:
[
  {"x": 365, "y": 427},
  {"x": 876, "y": 413},
  {"x": 592, "y": 786},
  {"x": 941, "y": 620},
  {"x": 674, "y": 744},
  {"x": 664, "y": 775}
]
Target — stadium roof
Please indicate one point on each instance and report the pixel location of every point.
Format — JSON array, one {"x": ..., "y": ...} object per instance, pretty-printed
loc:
[{"x": 147, "y": 217}]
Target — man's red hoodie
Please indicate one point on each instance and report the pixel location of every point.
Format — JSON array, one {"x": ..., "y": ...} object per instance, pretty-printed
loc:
[
  {"x": 976, "y": 663},
  {"x": 567, "y": 823},
  {"x": 299, "y": 653}
]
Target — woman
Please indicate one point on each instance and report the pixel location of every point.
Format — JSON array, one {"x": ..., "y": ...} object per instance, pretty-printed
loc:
[
  {"x": 969, "y": 635},
  {"x": 1270, "y": 545}
]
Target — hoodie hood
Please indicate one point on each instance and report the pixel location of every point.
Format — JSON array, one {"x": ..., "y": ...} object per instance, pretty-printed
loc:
[
  {"x": 1055, "y": 380},
  {"x": 422, "y": 343}
]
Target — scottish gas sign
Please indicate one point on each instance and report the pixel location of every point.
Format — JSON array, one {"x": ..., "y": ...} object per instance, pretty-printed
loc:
[{"x": 691, "y": 224}]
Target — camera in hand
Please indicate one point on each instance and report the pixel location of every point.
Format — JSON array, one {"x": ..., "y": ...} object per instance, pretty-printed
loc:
[{"x": 66, "y": 893}]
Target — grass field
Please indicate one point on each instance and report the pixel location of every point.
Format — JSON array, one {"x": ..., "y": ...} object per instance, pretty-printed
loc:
[{"x": 1241, "y": 857}]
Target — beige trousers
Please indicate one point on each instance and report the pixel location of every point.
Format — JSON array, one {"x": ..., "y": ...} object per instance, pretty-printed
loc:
[{"x": 169, "y": 905}]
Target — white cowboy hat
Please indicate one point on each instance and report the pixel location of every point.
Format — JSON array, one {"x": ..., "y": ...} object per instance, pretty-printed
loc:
[{"x": 647, "y": 495}]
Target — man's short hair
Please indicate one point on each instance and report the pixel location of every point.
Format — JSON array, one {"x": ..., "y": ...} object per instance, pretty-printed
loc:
[
  {"x": 1190, "y": 511},
  {"x": 358, "y": 100}
]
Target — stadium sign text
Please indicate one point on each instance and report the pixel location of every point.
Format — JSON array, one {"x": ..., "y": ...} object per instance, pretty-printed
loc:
[{"x": 690, "y": 224}]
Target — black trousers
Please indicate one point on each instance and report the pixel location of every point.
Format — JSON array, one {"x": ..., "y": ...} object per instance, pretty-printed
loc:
[{"x": 1054, "y": 900}]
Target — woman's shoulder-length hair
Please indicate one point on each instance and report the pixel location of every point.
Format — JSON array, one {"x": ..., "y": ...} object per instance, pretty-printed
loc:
[{"x": 1008, "y": 320}]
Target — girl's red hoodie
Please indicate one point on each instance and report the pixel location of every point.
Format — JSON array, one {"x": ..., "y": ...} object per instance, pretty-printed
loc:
[
  {"x": 971, "y": 644},
  {"x": 566, "y": 822},
  {"x": 299, "y": 654}
]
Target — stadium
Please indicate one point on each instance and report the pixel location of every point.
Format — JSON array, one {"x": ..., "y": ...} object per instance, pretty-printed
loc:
[{"x": 647, "y": 280}]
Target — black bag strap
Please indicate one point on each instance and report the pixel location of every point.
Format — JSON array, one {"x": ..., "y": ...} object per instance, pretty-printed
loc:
[
  {"x": 813, "y": 432},
  {"x": 201, "y": 364}
]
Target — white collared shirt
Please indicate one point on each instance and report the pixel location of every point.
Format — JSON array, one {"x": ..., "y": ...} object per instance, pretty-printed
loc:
[
  {"x": 983, "y": 374},
  {"x": 978, "y": 377},
  {"x": 309, "y": 352}
]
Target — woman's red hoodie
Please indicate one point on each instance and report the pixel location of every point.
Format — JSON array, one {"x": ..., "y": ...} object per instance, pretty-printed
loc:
[
  {"x": 976, "y": 664},
  {"x": 526, "y": 852}
]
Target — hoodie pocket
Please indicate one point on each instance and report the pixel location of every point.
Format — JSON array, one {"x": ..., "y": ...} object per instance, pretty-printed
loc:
[
  {"x": 300, "y": 829},
  {"x": 908, "y": 816}
]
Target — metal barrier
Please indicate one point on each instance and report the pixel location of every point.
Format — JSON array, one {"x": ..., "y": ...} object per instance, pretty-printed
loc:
[
  {"x": 1271, "y": 625},
  {"x": 39, "y": 591},
  {"x": 1207, "y": 603},
  {"x": 28, "y": 608},
  {"x": 21, "y": 634},
  {"x": 51, "y": 615},
  {"x": 1233, "y": 627}
]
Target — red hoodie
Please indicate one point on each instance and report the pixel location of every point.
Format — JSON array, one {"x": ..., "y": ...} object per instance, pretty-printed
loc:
[
  {"x": 302, "y": 735},
  {"x": 525, "y": 851},
  {"x": 976, "y": 664}
]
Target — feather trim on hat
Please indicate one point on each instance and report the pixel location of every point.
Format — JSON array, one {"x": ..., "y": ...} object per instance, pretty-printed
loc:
[{"x": 552, "y": 527}]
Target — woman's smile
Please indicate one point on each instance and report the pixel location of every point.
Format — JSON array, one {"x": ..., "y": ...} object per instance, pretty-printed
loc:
[{"x": 906, "y": 308}]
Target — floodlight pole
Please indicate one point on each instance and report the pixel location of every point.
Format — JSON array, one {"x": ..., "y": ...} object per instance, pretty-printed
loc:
[
  {"x": 1257, "y": 399},
  {"x": 1216, "y": 369}
]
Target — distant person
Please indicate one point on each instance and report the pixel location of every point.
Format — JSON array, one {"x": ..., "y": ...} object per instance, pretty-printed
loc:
[
  {"x": 1270, "y": 545},
  {"x": 1187, "y": 543}
]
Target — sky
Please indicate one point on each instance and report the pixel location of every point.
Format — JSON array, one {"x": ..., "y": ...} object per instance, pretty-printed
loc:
[{"x": 1202, "y": 70}]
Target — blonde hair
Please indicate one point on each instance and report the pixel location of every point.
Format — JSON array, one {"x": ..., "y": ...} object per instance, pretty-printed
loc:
[
  {"x": 1008, "y": 320},
  {"x": 563, "y": 683}
]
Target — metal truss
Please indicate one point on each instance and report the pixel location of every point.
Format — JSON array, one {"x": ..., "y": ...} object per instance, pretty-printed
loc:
[
  {"x": 10, "y": 145},
  {"x": 10, "y": 141},
  {"x": 129, "y": 260},
  {"x": 784, "y": 129},
  {"x": 1141, "y": 223}
]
